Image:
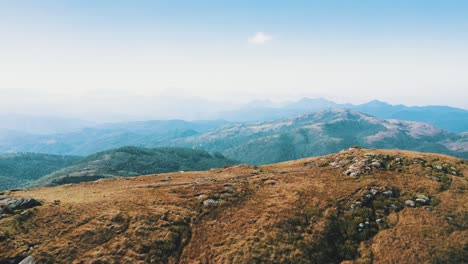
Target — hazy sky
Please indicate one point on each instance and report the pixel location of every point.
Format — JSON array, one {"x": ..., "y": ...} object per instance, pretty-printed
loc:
[{"x": 81, "y": 57}]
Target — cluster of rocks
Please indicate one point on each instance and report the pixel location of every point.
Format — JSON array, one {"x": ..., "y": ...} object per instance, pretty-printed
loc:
[
  {"x": 445, "y": 168},
  {"x": 419, "y": 199},
  {"x": 388, "y": 205},
  {"x": 9, "y": 204},
  {"x": 215, "y": 200},
  {"x": 359, "y": 165}
]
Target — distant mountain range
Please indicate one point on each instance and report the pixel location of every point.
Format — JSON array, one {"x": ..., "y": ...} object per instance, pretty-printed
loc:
[
  {"x": 39, "y": 125},
  {"x": 106, "y": 136},
  {"x": 320, "y": 133},
  {"x": 448, "y": 118},
  {"x": 311, "y": 134}
]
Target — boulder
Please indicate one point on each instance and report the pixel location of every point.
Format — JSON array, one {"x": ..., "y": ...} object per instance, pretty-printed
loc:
[
  {"x": 210, "y": 202},
  {"x": 22, "y": 203},
  {"x": 410, "y": 203},
  {"x": 388, "y": 193},
  {"x": 28, "y": 260},
  {"x": 373, "y": 191},
  {"x": 422, "y": 199}
]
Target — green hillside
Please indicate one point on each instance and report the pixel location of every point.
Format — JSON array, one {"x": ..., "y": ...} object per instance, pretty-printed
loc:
[
  {"x": 321, "y": 133},
  {"x": 19, "y": 168},
  {"x": 132, "y": 161}
]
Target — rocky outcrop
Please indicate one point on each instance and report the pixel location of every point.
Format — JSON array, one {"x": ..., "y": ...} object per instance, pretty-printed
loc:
[{"x": 9, "y": 204}]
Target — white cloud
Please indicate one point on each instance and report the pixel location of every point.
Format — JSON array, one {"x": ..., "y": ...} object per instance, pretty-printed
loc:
[{"x": 260, "y": 38}]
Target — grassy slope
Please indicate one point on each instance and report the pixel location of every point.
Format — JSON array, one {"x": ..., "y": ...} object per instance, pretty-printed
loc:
[{"x": 295, "y": 211}]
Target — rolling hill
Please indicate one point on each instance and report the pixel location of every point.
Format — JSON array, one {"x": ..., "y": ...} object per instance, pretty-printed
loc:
[
  {"x": 17, "y": 169},
  {"x": 355, "y": 206},
  {"x": 320, "y": 133},
  {"x": 133, "y": 161}
]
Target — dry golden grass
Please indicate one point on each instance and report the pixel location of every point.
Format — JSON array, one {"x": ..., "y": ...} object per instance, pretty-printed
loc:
[{"x": 281, "y": 213}]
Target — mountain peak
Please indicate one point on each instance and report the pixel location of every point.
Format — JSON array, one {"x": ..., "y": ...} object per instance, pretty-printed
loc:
[
  {"x": 313, "y": 103},
  {"x": 376, "y": 103}
]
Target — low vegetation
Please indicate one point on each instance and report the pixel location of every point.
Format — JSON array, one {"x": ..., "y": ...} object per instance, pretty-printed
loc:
[
  {"x": 390, "y": 210},
  {"x": 17, "y": 169},
  {"x": 133, "y": 161}
]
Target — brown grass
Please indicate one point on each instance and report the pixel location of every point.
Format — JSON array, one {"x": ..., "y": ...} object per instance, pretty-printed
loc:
[{"x": 279, "y": 213}]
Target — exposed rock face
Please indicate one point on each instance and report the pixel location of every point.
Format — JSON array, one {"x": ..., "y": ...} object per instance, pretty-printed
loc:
[{"x": 18, "y": 203}]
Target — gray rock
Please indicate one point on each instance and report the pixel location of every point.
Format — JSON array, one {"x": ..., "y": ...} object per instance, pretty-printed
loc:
[
  {"x": 393, "y": 208},
  {"x": 422, "y": 199},
  {"x": 22, "y": 203},
  {"x": 210, "y": 202},
  {"x": 28, "y": 260},
  {"x": 410, "y": 203},
  {"x": 373, "y": 191},
  {"x": 375, "y": 164},
  {"x": 388, "y": 193}
]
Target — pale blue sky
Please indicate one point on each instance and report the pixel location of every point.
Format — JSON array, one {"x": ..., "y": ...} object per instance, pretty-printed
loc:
[{"x": 64, "y": 53}]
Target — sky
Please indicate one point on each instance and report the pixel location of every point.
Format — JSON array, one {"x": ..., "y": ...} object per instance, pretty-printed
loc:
[{"x": 131, "y": 59}]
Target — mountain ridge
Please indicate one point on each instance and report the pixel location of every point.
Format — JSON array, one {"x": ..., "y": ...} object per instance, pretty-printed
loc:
[
  {"x": 449, "y": 118},
  {"x": 319, "y": 133}
]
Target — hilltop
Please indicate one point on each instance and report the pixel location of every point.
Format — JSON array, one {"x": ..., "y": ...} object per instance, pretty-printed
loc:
[
  {"x": 320, "y": 133},
  {"x": 360, "y": 205},
  {"x": 133, "y": 161}
]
